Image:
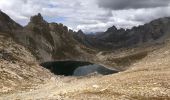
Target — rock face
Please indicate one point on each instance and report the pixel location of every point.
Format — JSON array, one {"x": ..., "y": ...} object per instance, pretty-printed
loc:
[{"x": 114, "y": 38}]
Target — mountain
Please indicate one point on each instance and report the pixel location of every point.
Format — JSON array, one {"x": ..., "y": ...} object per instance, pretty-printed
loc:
[
  {"x": 47, "y": 41},
  {"x": 53, "y": 41},
  {"x": 113, "y": 38}
]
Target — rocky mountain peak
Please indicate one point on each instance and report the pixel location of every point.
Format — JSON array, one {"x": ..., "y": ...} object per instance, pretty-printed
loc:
[
  {"x": 37, "y": 19},
  {"x": 111, "y": 29},
  {"x": 38, "y": 24},
  {"x": 80, "y": 32}
]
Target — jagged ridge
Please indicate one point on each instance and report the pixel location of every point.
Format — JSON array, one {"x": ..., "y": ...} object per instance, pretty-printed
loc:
[{"x": 114, "y": 38}]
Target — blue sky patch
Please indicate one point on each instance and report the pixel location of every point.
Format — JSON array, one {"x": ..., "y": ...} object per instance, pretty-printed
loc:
[{"x": 55, "y": 19}]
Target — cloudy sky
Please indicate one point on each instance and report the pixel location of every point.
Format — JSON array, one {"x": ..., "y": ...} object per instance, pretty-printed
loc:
[{"x": 88, "y": 15}]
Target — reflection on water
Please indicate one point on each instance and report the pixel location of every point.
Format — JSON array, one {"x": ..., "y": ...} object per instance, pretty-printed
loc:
[{"x": 90, "y": 69}]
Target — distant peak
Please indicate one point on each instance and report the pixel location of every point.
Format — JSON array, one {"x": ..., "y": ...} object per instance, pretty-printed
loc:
[
  {"x": 111, "y": 29},
  {"x": 80, "y": 32}
]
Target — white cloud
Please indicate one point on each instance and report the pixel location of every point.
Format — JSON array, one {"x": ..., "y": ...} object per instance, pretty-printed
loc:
[{"x": 81, "y": 14}]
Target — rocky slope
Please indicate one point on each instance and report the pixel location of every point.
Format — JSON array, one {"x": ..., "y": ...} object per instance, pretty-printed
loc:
[{"x": 19, "y": 69}]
